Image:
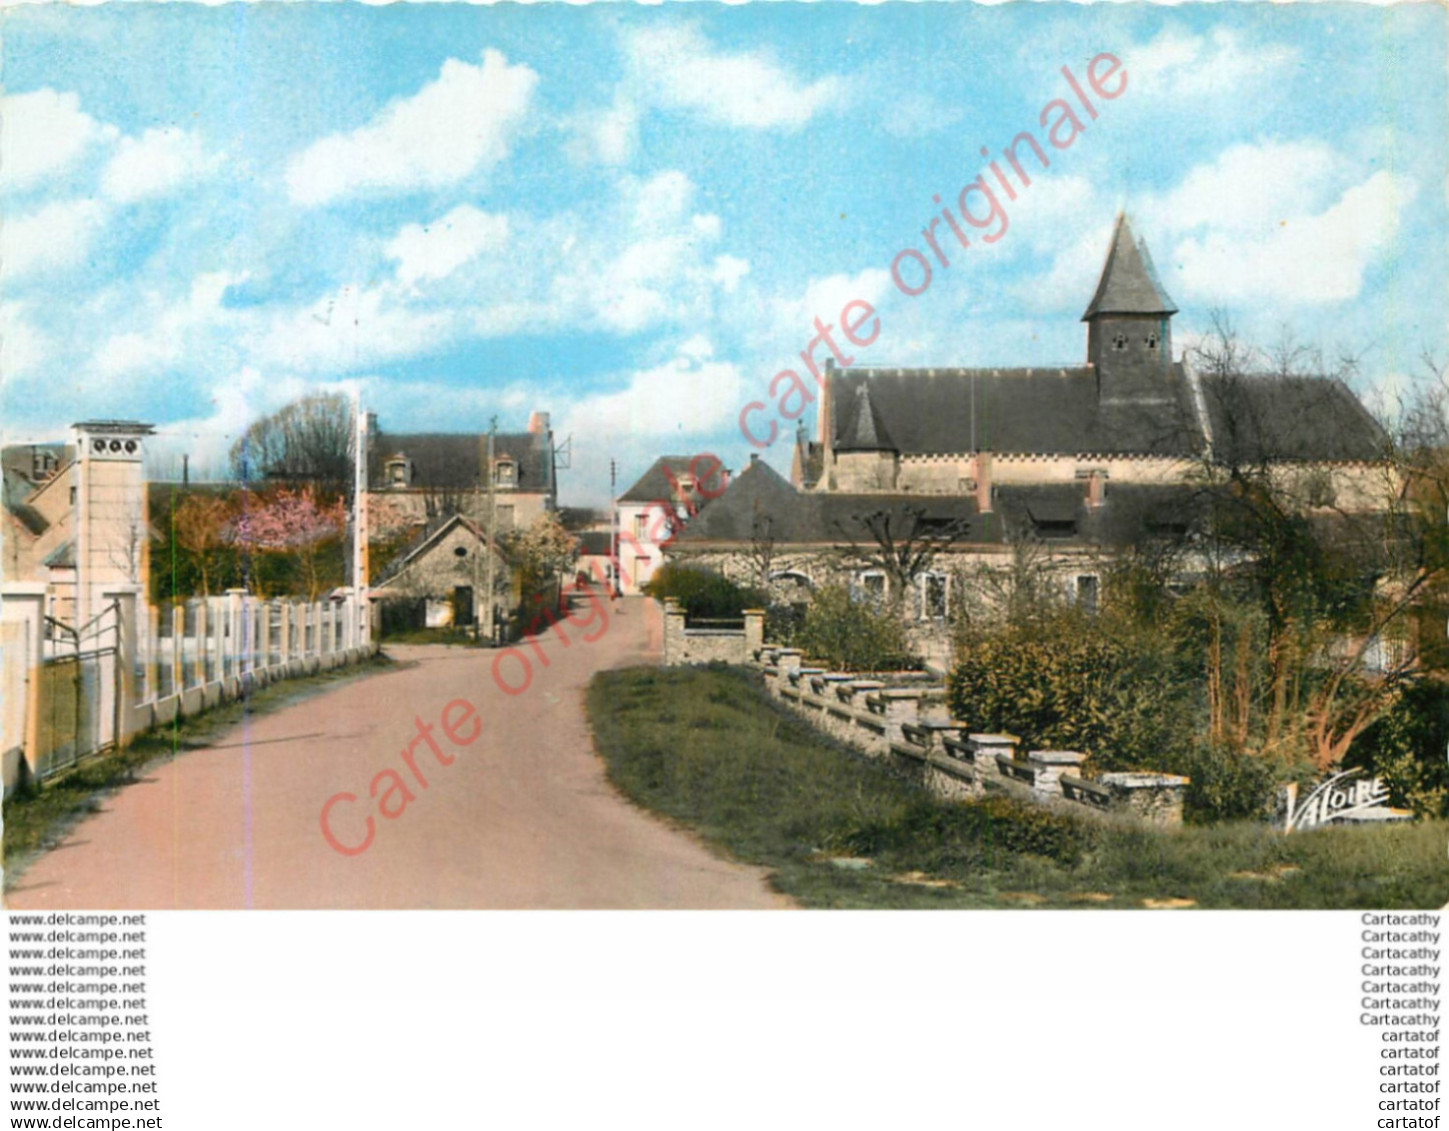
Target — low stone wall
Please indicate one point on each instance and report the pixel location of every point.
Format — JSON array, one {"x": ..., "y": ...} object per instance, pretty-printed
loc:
[
  {"x": 686, "y": 645},
  {"x": 905, "y": 719}
]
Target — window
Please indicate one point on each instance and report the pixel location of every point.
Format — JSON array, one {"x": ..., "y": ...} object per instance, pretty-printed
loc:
[
  {"x": 397, "y": 473},
  {"x": 1152, "y": 341},
  {"x": 505, "y": 473},
  {"x": 1087, "y": 593},
  {"x": 1055, "y": 527},
  {"x": 1119, "y": 341},
  {"x": 871, "y": 587},
  {"x": 641, "y": 526},
  {"x": 935, "y": 588}
]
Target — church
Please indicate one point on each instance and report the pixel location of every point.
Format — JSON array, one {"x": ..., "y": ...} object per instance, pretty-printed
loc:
[{"x": 1083, "y": 459}]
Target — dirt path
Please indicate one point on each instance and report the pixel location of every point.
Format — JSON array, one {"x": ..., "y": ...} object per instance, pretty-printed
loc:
[{"x": 522, "y": 817}]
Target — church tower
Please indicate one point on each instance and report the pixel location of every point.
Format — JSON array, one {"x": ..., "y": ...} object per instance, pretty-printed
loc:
[{"x": 1129, "y": 323}]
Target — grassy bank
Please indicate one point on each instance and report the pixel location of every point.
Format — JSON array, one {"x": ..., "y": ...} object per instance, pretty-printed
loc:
[
  {"x": 708, "y": 749},
  {"x": 38, "y": 817}
]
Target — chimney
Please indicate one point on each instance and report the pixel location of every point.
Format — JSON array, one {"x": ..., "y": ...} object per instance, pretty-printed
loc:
[
  {"x": 983, "y": 482},
  {"x": 1096, "y": 478},
  {"x": 538, "y": 422}
]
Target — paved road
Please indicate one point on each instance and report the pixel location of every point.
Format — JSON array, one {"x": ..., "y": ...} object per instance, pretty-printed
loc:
[{"x": 521, "y": 818}]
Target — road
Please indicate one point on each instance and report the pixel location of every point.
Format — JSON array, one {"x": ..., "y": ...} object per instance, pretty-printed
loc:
[{"x": 520, "y": 817}]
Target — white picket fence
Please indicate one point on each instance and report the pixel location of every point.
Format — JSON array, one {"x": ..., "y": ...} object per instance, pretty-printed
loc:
[{"x": 71, "y": 692}]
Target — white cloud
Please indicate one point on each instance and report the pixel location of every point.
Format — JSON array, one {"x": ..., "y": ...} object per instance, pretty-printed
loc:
[
  {"x": 158, "y": 162},
  {"x": 792, "y": 321},
  {"x": 691, "y": 394},
  {"x": 172, "y": 330},
  {"x": 436, "y": 250},
  {"x": 1305, "y": 259},
  {"x": 45, "y": 133},
  {"x": 1250, "y": 187},
  {"x": 1270, "y": 222},
  {"x": 22, "y": 346},
  {"x": 1188, "y": 66},
  {"x": 53, "y": 237},
  {"x": 679, "y": 70},
  {"x": 609, "y": 136},
  {"x": 462, "y": 121},
  {"x": 351, "y": 327}
]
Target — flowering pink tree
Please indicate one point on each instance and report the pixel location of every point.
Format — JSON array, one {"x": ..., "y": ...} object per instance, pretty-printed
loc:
[{"x": 290, "y": 522}]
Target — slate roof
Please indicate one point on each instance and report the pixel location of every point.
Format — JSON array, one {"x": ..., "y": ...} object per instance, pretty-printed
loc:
[
  {"x": 455, "y": 460},
  {"x": 760, "y": 499},
  {"x": 655, "y": 484},
  {"x": 596, "y": 543},
  {"x": 62, "y": 557},
  {"x": 1029, "y": 411},
  {"x": 1128, "y": 283},
  {"x": 863, "y": 431},
  {"x": 1256, "y": 419},
  {"x": 423, "y": 541}
]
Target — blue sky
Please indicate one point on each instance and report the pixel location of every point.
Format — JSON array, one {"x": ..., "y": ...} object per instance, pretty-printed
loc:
[{"x": 628, "y": 216}]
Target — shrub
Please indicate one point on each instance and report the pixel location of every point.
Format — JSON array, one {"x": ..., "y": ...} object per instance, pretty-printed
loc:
[
  {"x": 784, "y": 621},
  {"x": 702, "y": 592},
  {"x": 1073, "y": 683},
  {"x": 1406, "y": 747},
  {"x": 853, "y": 635},
  {"x": 1227, "y": 786}
]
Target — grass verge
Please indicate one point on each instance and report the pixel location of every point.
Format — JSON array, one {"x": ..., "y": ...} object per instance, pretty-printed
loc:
[
  {"x": 707, "y": 748},
  {"x": 39, "y": 816}
]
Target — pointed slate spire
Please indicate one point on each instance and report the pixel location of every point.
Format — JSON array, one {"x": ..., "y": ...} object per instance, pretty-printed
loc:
[
  {"x": 864, "y": 431},
  {"x": 1129, "y": 282}
]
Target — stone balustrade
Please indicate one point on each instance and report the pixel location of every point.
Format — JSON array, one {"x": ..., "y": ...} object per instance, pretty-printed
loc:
[{"x": 908, "y": 719}]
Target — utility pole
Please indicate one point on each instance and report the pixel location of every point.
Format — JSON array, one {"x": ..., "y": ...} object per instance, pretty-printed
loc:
[
  {"x": 615, "y": 583},
  {"x": 359, "y": 519},
  {"x": 491, "y": 533}
]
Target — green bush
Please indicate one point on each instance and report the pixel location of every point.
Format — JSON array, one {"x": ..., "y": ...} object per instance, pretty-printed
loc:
[
  {"x": 702, "y": 592},
  {"x": 1227, "y": 786},
  {"x": 854, "y": 635},
  {"x": 1073, "y": 683},
  {"x": 783, "y": 622},
  {"x": 1407, "y": 746}
]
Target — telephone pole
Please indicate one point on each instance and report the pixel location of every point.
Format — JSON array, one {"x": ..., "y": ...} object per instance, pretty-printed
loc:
[
  {"x": 615, "y": 583},
  {"x": 491, "y": 532}
]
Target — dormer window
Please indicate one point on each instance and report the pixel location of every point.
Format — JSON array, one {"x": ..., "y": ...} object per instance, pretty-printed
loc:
[
  {"x": 1119, "y": 341},
  {"x": 505, "y": 473},
  {"x": 399, "y": 471}
]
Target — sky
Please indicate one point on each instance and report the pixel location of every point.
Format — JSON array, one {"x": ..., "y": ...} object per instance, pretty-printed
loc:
[{"x": 629, "y": 216}]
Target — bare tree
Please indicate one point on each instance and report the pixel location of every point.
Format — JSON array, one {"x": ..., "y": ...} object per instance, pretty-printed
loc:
[
  {"x": 1323, "y": 589},
  {"x": 306, "y": 442},
  {"x": 902, "y": 543}
]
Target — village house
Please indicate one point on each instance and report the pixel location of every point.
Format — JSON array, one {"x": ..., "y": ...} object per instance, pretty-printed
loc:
[
  {"x": 651, "y": 513},
  {"x": 447, "y": 501},
  {"x": 1080, "y": 461}
]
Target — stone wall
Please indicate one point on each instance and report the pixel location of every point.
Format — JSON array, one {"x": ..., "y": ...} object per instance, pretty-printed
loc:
[
  {"x": 686, "y": 645},
  {"x": 904, "y": 717}
]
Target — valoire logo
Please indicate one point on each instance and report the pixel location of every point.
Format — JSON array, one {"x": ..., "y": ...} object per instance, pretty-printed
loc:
[{"x": 1337, "y": 799}]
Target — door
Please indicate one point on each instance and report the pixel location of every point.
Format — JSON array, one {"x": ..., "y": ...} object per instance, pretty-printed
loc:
[{"x": 462, "y": 606}]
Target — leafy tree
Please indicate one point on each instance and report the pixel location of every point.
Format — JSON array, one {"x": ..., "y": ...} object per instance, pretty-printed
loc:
[
  {"x": 853, "y": 635},
  {"x": 1329, "y": 587},
  {"x": 201, "y": 523},
  {"x": 291, "y": 522},
  {"x": 542, "y": 552}
]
